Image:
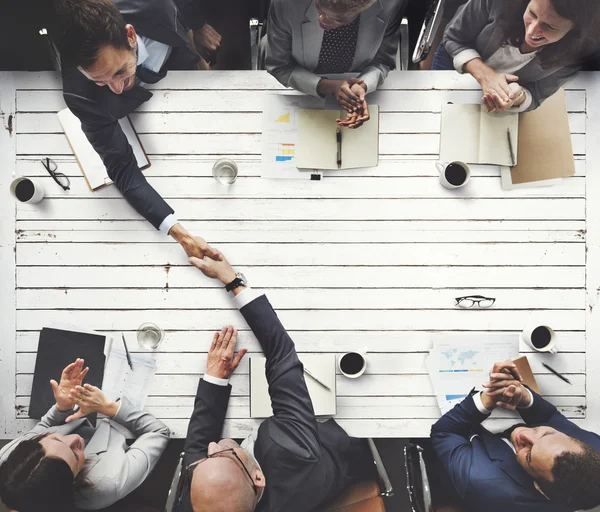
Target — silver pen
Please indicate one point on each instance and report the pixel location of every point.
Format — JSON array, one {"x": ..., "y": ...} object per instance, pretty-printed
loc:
[
  {"x": 308, "y": 372},
  {"x": 510, "y": 147}
]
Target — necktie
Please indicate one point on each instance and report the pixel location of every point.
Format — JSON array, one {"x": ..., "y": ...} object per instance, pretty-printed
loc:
[{"x": 150, "y": 77}]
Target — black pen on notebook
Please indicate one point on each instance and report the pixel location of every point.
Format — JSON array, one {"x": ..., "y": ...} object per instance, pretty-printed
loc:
[
  {"x": 560, "y": 376},
  {"x": 127, "y": 352},
  {"x": 510, "y": 147},
  {"x": 308, "y": 372},
  {"x": 338, "y": 136}
]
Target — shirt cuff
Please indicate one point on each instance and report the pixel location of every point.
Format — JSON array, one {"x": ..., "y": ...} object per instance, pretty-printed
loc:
[
  {"x": 372, "y": 78},
  {"x": 463, "y": 57},
  {"x": 215, "y": 380},
  {"x": 530, "y": 402},
  {"x": 526, "y": 103},
  {"x": 168, "y": 223},
  {"x": 246, "y": 296},
  {"x": 479, "y": 404}
]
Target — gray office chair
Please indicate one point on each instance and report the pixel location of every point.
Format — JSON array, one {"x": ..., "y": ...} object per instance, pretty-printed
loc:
[
  {"x": 384, "y": 488},
  {"x": 53, "y": 52},
  {"x": 417, "y": 482},
  {"x": 428, "y": 31},
  {"x": 402, "y": 55}
]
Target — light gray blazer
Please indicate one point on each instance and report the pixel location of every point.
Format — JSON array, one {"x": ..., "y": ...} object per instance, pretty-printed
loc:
[
  {"x": 113, "y": 468},
  {"x": 294, "y": 39},
  {"x": 474, "y": 31}
]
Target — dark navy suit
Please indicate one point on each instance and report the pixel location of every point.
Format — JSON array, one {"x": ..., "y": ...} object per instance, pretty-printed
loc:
[{"x": 484, "y": 470}]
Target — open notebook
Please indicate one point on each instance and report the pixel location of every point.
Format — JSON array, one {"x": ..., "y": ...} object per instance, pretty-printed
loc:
[
  {"x": 470, "y": 134},
  {"x": 322, "y": 366},
  {"x": 90, "y": 162},
  {"x": 317, "y": 146}
]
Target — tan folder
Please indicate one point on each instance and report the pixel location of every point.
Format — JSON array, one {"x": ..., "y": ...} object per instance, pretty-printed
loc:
[{"x": 522, "y": 364}]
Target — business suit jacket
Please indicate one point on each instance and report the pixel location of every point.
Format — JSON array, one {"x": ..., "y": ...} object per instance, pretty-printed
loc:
[
  {"x": 112, "y": 468},
  {"x": 305, "y": 463},
  {"x": 294, "y": 39},
  {"x": 476, "y": 27},
  {"x": 99, "y": 109},
  {"x": 481, "y": 466}
]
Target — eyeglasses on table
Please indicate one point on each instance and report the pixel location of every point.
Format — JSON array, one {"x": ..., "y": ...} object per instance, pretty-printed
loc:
[
  {"x": 51, "y": 166},
  {"x": 478, "y": 301}
]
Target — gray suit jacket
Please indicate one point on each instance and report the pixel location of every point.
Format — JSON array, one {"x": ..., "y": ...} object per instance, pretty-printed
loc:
[
  {"x": 113, "y": 468},
  {"x": 294, "y": 39},
  {"x": 475, "y": 27}
]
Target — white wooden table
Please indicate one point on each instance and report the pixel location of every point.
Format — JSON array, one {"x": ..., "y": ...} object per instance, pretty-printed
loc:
[{"x": 369, "y": 258}]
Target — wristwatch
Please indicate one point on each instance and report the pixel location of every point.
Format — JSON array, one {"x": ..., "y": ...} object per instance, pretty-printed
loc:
[{"x": 240, "y": 280}]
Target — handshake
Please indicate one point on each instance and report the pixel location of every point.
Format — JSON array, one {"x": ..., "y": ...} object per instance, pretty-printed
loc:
[{"x": 505, "y": 388}]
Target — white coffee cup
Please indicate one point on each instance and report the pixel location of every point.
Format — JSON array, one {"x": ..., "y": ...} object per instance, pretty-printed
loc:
[
  {"x": 442, "y": 168},
  {"x": 531, "y": 336},
  {"x": 353, "y": 364},
  {"x": 35, "y": 190}
]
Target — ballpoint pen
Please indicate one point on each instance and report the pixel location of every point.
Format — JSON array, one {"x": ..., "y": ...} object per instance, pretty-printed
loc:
[
  {"x": 560, "y": 376},
  {"x": 127, "y": 352},
  {"x": 308, "y": 372},
  {"x": 338, "y": 136},
  {"x": 510, "y": 147}
]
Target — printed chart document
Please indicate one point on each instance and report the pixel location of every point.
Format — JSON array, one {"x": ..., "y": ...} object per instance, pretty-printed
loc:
[
  {"x": 318, "y": 141},
  {"x": 456, "y": 366},
  {"x": 90, "y": 162},
  {"x": 280, "y": 135},
  {"x": 472, "y": 135},
  {"x": 322, "y": 366},
  {"x": 121, "y": 381}
]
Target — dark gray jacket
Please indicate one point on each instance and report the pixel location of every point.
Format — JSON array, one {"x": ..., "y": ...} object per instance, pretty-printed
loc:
[{"x": 475, "y": 28}]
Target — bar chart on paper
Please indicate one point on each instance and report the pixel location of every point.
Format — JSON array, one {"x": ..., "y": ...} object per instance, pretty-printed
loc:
[{"x": 284, "y": 152}]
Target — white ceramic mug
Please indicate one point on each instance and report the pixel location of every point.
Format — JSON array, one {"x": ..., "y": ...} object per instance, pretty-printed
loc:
[
  {"x": 38, "y": 190},
  {"x": 362, "y": 355},
  {"x": 442, "y": 166},
  {"x": 527, "y": 335}
]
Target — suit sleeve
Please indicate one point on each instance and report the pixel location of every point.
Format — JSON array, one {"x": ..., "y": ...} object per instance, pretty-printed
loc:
[
  {"x": 109, "y": 141},
  {"x": 451, "y": 443},
  {"x": 206, "y": 423},
  {"x": 385, "y": 58},
  {"x": 291, "y": 403},
  {"x": 193, "y": 12},
  {"x": 279, "y": 61},
  {"x": 52, "y": 418},
  {"x": 461, "y": 33}
]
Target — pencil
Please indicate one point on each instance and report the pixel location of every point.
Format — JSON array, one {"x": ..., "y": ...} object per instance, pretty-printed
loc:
[
  {"x": 510, "y": 147},
  {"x": 127, "y": 352},
  {"x": 556, "y": 373},
  {"x": 308, "y": 372}
]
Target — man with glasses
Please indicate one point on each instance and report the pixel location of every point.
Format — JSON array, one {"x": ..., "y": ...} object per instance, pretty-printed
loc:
[{"x": 291, "y": 463}]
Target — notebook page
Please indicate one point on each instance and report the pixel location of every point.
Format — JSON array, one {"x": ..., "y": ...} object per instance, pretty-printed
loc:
[
  {"x": 460, "y": 133},
  {"x": 360, "y": 146},
  {"x": 317, "y": 142},
  {"x": 493, "y": 137}
]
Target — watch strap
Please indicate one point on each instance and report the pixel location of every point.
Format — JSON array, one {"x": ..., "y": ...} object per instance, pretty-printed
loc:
[{"x": 234, "y": 284}]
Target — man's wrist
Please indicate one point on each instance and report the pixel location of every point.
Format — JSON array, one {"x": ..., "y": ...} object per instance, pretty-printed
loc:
[
  {"x": 228, "y": 276},
  {"x": 110, "y": 410},
  {"x": 64, "y": 408},
  {"x": 487, "y": 401}
]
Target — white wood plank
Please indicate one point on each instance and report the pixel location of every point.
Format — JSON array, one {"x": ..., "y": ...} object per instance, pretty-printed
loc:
[
  {"x": 308, "y": 209},
  {"x": 308, "y": 319},
  {"x": 367, "y": 385},
  {"x": 350, "y": 298},
  {"x": 7, "y": 256},
  {"x": 388, "y": 342},
  {"x": 250, "y": 166},
  {"x": 510, "y": 278}
]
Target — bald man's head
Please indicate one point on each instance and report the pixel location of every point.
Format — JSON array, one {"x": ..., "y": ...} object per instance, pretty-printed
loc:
[{"x": 221, "y": 484}]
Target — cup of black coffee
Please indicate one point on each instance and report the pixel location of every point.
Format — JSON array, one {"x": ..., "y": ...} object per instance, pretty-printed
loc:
[
  {"x": 353, "y": 364},
  {"x": 453, "y": 174},
  {"x": 26, "y": 190},
  {"x": 540, "y": 338}
]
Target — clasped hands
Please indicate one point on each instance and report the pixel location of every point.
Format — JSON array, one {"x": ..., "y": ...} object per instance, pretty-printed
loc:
[
  {"x": 351, "y": 96},
  {"x": 505, "y": 388},
  {"x": 70, "y": 392},
  {"x": 501, "y": 91}
]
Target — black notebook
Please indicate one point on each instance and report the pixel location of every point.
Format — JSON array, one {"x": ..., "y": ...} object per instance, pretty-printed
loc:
[{"x": 56, "y": 350}]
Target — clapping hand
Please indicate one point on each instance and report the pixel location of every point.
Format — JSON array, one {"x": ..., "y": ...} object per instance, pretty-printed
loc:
[
  {"x": 499, "y": 90},
  {"x": 221, "y": 362},
  {"x": 352, "y": 98},
  {"x": 506, "y": 387},
  {"x": 516, "y": 91},
  {"x": 91, "y": 399},
  {"x": 71, "y": 377}
]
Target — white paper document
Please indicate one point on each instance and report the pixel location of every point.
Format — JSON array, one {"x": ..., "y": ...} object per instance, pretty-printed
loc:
[
  {"x": 472, "y": 135},
  {"x": 90, "y": 162},
  {"x": 457, "y": 366},
  {"x": 121, "y": 381},
  {"x": 321, "y": 366}
]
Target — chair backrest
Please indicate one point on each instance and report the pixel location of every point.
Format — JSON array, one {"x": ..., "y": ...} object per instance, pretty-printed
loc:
[
  {"x": 176, "y": 489},
  {"x": 53, "y": 52},
  {"x": 417, "y": 482}
]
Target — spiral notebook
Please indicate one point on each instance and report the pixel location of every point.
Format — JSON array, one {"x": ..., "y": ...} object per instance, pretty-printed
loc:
[{"x": 89, "y": 161}]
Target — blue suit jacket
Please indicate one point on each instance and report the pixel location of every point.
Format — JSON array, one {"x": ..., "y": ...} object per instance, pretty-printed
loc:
[{"x": 484, "y": 470}]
